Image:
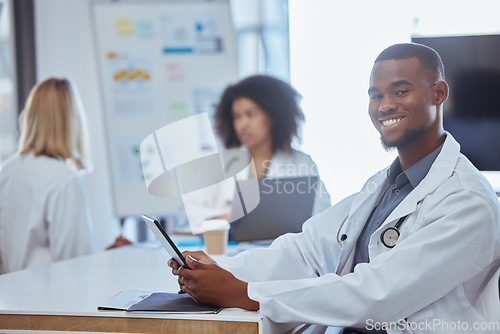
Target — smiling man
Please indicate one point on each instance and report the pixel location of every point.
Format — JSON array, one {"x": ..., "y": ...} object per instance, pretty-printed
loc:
[
  {"x": 417, "y": 250},
  {"x": 406, "y": 98}
]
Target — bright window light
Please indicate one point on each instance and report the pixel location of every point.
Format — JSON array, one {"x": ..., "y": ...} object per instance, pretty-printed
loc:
[{"x": 333, "y": 45}]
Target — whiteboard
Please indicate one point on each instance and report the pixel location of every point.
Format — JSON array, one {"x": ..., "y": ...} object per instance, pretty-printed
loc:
[{"x": 159, "y": 62}]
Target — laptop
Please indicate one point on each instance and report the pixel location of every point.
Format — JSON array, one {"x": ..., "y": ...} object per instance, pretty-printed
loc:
[{"x": 285, "y": 204}]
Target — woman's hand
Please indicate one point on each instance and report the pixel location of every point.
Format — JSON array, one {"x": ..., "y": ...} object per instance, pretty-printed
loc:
[{"x": 119, "y": 242}]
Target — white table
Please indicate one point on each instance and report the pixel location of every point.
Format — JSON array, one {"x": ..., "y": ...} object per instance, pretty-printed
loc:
[{"x": 64, "y": 297}]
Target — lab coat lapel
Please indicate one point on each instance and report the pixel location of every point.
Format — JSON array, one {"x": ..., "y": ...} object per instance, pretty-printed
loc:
[
  {"x": 360, "y": 210},
  {"x": 362, "y": 206},
  {"x": 440, "y": 171}
]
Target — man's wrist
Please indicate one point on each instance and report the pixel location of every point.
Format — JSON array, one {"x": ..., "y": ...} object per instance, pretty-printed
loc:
[
  {"x": 252, "y": 304},
  {"x": 244, "y": 301}
]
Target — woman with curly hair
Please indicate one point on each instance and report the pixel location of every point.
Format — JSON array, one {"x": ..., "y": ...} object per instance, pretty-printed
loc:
[{"x": 262, "y": 115}]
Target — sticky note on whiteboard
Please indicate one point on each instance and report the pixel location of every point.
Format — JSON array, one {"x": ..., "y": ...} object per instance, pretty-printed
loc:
[
  {"x": 124, "y": 25},
  {"x": 174, "y": 71},
  {"x": 178, "y": 110},
  {"x": 144, "y": 29}
]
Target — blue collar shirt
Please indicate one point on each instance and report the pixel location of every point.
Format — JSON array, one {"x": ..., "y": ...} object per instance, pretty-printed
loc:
[{"x": 400, "y": 185}]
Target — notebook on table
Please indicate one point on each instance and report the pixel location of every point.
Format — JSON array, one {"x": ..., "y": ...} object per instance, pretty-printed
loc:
[{"x": 133, "y": 300}]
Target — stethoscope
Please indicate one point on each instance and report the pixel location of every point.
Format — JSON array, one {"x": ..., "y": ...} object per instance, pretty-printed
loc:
[{"x": 389, "y": 236}]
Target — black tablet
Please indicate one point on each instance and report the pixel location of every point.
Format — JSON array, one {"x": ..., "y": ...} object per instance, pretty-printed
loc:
[{"x": 165, "y": 240}]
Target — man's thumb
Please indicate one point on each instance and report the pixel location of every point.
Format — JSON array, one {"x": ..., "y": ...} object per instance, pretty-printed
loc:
[{"x": 194, "y": 263}]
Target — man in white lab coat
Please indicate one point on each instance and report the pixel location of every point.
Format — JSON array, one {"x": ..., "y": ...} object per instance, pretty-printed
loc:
[{"x": 417, "y": 250}]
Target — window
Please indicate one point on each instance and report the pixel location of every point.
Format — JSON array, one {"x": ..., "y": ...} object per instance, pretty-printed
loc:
[
  {"x": 8, "y": 108},
  {"x": 262, "y": 37},
  {"x": 332, "y": 47}
]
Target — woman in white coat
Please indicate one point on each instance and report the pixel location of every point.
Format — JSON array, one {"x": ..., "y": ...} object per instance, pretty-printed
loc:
[
  {"x": 260, "y": 114},
  {"x": 44, "y": 215}
]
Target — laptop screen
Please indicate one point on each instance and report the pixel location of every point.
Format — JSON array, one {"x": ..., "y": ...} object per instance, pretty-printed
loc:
[{"x": 284, "y": 205}]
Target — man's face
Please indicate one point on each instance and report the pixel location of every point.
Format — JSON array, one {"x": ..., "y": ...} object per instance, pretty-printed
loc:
[{"x": 401, "y": 103}]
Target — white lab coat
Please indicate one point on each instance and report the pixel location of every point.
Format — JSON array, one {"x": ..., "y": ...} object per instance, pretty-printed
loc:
[
  {"x": 44, "y": 215},
  {"x": 217, "y": 200},
  {"x": 444, "y": 268}
]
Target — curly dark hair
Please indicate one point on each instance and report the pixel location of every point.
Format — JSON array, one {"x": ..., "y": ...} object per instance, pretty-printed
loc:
[{"x": 277, "y": 98}]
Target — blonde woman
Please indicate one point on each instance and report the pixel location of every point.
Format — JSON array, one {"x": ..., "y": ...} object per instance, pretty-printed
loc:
[{"x": 44, "y": 214}]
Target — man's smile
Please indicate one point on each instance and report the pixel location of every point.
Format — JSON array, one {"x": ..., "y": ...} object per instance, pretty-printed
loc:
[{"x": 393, "y": 120}]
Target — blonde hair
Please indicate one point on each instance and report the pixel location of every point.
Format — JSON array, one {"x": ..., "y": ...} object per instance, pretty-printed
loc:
[{"x": 53, "y": 123}]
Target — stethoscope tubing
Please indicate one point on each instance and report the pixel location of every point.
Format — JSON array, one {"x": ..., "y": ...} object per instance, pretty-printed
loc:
[{"x": 383, "y": 237}]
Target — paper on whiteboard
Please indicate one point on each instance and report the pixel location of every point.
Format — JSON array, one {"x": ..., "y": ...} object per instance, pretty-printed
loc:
[
  {"x": 191, "y": 31},
  {"x": 132, "y": 84},
  {"x": 126, "y": 158}
]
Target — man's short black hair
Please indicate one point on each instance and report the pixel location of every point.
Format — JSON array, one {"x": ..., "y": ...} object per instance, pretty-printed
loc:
[
  {"x": 278, "y": 99},
  {"x": 428, "y": 57}
]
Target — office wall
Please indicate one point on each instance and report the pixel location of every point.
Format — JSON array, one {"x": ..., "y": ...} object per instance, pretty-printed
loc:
[{"x": 64, "y": 47}]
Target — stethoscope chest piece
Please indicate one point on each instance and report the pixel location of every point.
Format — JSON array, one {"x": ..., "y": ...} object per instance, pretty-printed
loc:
[{"x": 390, "y": 237}]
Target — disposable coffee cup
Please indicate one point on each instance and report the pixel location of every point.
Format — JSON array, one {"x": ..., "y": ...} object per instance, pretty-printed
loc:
[{"x": 215, "y": 234}]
